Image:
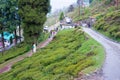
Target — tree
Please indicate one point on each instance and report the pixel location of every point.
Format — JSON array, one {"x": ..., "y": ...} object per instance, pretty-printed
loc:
[
  {"x": 71, "y": 8},
  {"x": 10, "y": 21},
  {"x": 2, "y": 36},
  {"x": 2, "y": 21},
  {"x": 117, "y": 3},
  {"x": 33, "y": 15},
  {"x": 90, "y": 1},
  {"x": 11, "y": 14},
  {"x": 61, "y": 16}
]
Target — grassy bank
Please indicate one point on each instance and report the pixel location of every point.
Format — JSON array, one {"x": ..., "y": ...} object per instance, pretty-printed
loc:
[
  {"x": 70, "y": 52},
  {"x": 20, "y": 49},
  {"x": 109, "y": 24},
  {"x": 13, "y": 52},
  {"x": 107, "y": 17}
]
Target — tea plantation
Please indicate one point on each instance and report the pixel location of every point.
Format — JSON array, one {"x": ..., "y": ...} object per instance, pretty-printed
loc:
[
  {"x": 109, "y": 24},
  {"x": 20, "y": 49},
  {"x": 71, "y": 51}
]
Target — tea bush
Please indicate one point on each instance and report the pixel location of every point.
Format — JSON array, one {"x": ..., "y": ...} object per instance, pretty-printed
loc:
[
  {"x": 109, "y": 24},
  {"x": 14, "y": 52},
  {"x": 19, "y": 49},
  {"x": 67, "y": 55}
]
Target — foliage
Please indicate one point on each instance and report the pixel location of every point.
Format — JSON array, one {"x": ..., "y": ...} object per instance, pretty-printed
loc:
[
  {"x": 9, "y": 18},
  {"x": 33, "y": 14},
  {"x": 20, "y": 49},
  {"x": 109, "y": 24},
  {"x": 43, "y": 37},
  {"x": 71, "y": 8},
  {"x": 61, "y": 16},
  {"x": 51, "y": 20},
  {"x": 106, "y": 15},
  {"x": 14, "y": 52},
  {"x": 90, "y": 1},
  {"x": 108, "y": 1},
  {"x": 68, "y": 54}
]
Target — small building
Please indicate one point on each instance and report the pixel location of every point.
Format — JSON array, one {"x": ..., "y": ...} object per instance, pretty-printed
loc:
[{"x": 8, "y": 37}]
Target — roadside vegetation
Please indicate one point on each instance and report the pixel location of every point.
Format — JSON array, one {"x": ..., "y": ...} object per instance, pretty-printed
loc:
[
  {"x": 13, "y": 52},
  {"x": 51, "y": 20},
  {"x": 19, "y": 49},
  {"x": 109, "y": 24},
  {"x": 71, "y": 51},
  {"x": 107, "y": 15}
]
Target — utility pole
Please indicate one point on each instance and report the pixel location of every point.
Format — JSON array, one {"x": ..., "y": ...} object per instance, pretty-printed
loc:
[
  {"x": 117, "y": 3},
  {"x": 79, "y": 4},
  {"x": 79, "y": 10}
]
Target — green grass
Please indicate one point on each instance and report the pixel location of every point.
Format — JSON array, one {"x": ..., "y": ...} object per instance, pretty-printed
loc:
[
  {"x": 13, "y": 52},
  {"x": 20, "y": 49},
  {"x": 107, "y": 18},
  {"x": 109, "y": 25},
  {"x": 69, "y": 53},
  {"x": 43, "y": 37}
]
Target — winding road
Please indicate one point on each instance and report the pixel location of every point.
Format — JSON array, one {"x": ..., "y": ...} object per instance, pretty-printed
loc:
[{"x": 111, "y": 67}]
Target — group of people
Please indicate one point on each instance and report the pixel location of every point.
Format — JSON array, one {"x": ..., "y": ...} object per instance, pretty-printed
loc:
[{"x": 52, "y": 33}]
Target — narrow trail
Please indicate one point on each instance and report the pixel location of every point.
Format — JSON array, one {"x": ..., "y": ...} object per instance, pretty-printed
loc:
[
  {"x": 8, "y": 64},
  {"x": 111, "y": 67}
]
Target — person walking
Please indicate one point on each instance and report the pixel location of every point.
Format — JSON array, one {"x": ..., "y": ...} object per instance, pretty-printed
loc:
[
  {"x": 50, "y": 35},
  {"x": 34, "y": 48}
]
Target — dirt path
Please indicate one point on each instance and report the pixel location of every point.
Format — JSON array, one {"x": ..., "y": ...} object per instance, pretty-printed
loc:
[
  {"x": 111, "y": 67},
  {"x": 6, "y": 66}
]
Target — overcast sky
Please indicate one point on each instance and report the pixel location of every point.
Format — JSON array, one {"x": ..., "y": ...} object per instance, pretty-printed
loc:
[{"x": 60, "y": 4}]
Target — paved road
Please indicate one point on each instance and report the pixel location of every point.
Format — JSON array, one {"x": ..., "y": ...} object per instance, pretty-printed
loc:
[{"x": 111, "y": 67}]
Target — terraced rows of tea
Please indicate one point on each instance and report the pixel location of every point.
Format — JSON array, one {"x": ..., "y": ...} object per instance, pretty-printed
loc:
[{"x": 71, "y": 51}]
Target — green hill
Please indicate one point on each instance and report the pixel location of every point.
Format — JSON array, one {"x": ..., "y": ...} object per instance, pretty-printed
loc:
[
  {"x": 70, "y": 52},
  {"x": 109, "y": 24},
  {"x": 107, "y": 16}
]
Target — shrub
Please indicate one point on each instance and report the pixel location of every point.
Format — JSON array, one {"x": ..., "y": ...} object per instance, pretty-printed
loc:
[
  {"x": 14, "y": 52},
  {"x": 62, "y": 59},
  {"x": 117, "y": 35}
]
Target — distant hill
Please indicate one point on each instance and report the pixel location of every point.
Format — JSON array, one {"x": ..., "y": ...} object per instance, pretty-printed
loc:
[{"x": 107, "y": 15}]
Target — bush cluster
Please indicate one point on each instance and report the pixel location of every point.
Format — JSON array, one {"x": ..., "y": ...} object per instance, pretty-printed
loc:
[
  {"x": 109, "y": 24},
  {"x": 67, "y": 55}
]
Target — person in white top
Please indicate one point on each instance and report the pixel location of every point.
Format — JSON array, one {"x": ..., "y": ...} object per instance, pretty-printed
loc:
[{"x": 34, "y": 48}]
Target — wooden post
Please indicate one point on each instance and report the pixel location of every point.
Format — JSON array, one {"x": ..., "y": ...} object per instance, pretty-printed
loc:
[
  {"x": 117, "y": 3},
  {"x": 79, "y": 3},
  {"x": 15, "y": 37},
  {"x": 3, "y": 45},
  {"x": 79, "y": 10},
  {"x": 20, "y": 32}
]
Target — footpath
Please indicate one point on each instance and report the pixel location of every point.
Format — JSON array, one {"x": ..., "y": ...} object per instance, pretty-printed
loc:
[{"x": 6, "y": 66}]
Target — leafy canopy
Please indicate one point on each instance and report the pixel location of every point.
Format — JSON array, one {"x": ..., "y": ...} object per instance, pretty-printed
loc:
[{"x": 33, "y": 14}]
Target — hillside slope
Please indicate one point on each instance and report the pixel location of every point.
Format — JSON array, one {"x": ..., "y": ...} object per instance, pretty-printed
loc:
[
  {"x": 70, "y": 52},
  {"x": 107, "y": 17},
  {"x": 109, "y": 24}
]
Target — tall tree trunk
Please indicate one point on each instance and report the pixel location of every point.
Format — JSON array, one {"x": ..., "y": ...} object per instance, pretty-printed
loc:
[
  {"x": 79, "y": 10},
  {"x": 3, "y": 45},
  {"x": 20, "y": 32},
  {"x": 15, "y": 37}
]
